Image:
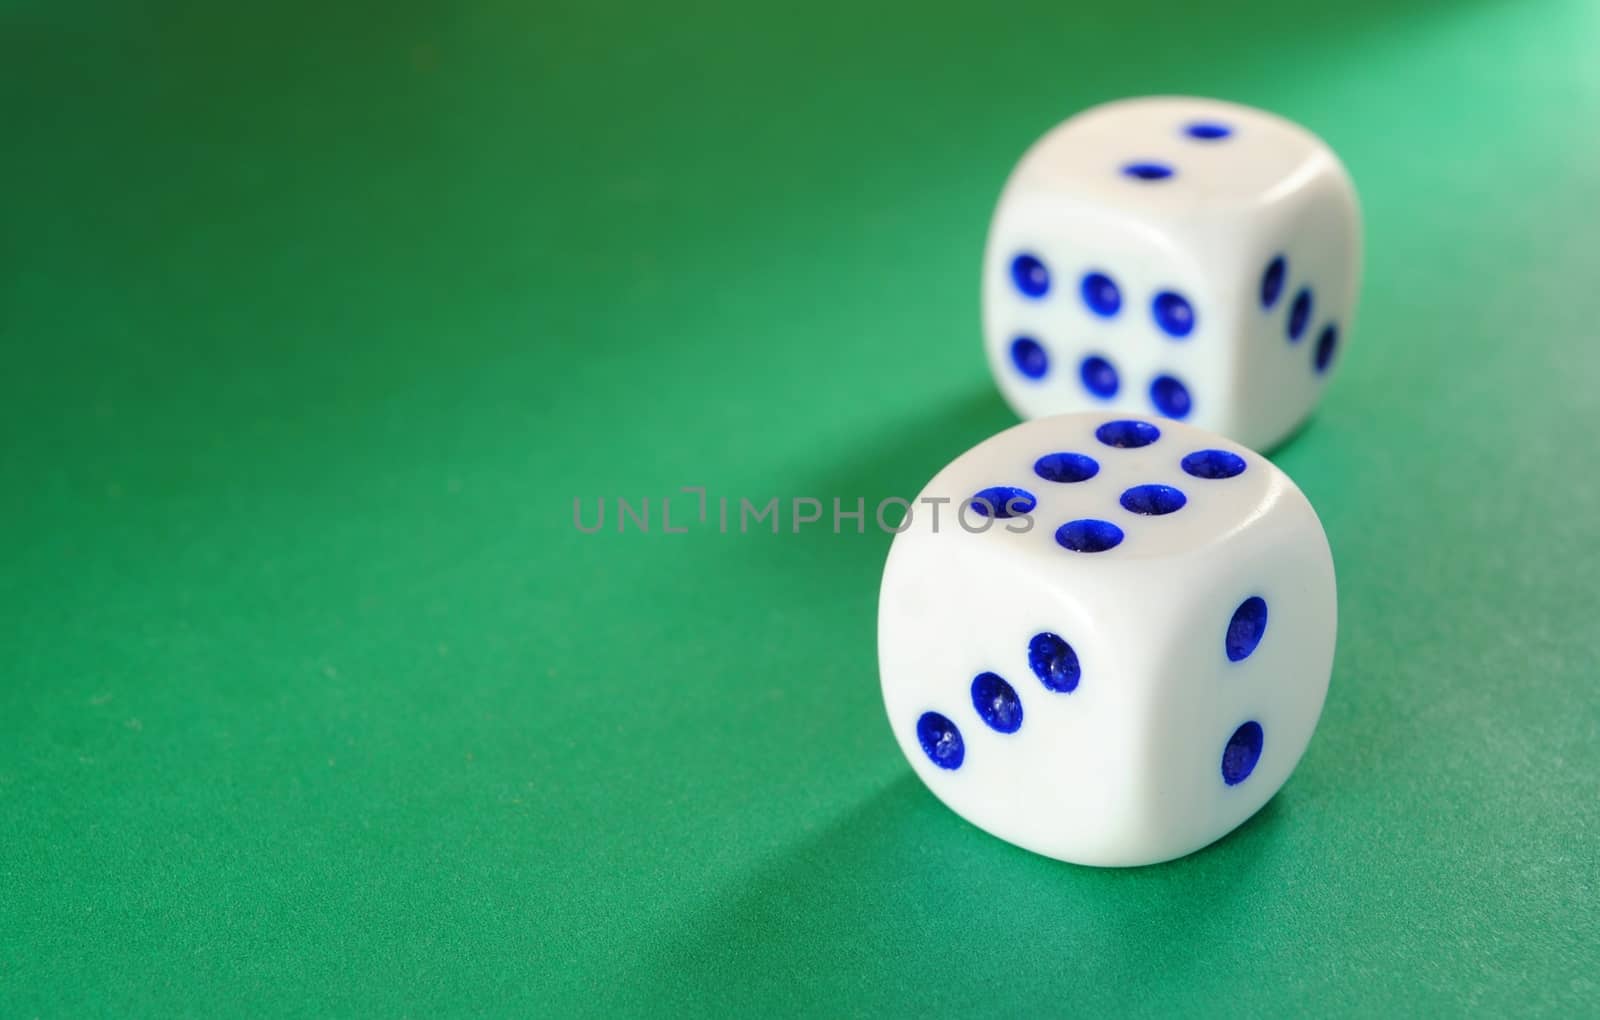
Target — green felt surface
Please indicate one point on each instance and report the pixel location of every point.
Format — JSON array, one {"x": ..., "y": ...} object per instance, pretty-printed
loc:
[{"x": 314, "y": 322}]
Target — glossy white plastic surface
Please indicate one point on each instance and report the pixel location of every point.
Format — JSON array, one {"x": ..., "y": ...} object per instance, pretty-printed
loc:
[
  {"x": 1208, "y": 232},
  {"x": 1126, "y": 768}
]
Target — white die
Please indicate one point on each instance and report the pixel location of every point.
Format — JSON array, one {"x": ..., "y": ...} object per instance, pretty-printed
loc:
[
  {"x": 1184, "y": 257},
  {"x": 1129, "y": 665}
]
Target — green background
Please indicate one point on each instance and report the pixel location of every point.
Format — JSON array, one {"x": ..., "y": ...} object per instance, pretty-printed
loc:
[{"x": 315, "y": 321}]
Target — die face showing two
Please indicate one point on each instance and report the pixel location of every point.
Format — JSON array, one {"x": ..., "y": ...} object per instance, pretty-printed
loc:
[
  {"x": 1130, "y": 664},
  {"x": 1188, "y": 258}
]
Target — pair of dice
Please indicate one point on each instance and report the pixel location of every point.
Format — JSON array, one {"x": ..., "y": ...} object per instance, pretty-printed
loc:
[{"x": 1127, "y": 655}]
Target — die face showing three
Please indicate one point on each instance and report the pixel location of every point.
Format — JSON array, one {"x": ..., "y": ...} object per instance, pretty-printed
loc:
[
  {"x": 1127, "y": 666},
  {"x": 1187, "y": 258}
]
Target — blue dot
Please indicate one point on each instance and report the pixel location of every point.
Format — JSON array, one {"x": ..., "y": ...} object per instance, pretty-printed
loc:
[
  {"x": 1066, "y": 467},
  {"x": 1100, "y": 293},
  {"x": 1299, "y": 315},
  {"x": 996, "y": 702},
  {"x": 1127, "y": 434},
  {"x": 1272, "y": 281},
  {"x": 1245, "y": 629},
  {"x": 1003, "y": 501},
  {"x": 1213, "y": 464},
  {"x": 1153, "y": 500},
  {"x": 1207, "y": 130},
  {"x": 940, "y": 740},
  {"x": 1327, "y": 343},
  {"x": 1088, "y": 535},
  {"x": 1030, "y": 275},
  {"x": 1170, "y": 396},
  {"x": 1173, "y": 314},
  {"x": 1029, "y": 357},
  {"x": 1099, "y": 376},
  {"x": 1243, "y": 751},
  {"x": 1148, "y": 171},
  {"x": 1054, "y": 662}
]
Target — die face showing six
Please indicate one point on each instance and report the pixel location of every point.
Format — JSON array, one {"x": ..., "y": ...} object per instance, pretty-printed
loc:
[
  {"x": 1082, "y": 677},
  {"x": 1128, "y": 317},
  {"x": 1148, "y": 256}
]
